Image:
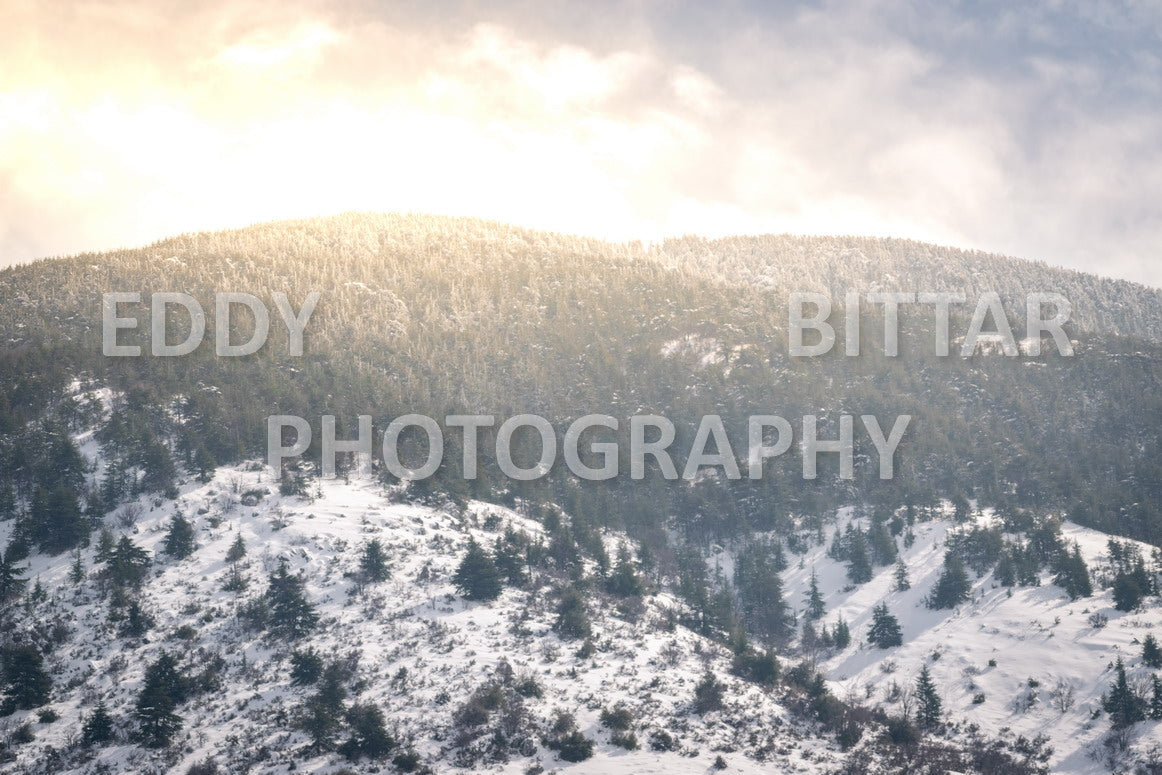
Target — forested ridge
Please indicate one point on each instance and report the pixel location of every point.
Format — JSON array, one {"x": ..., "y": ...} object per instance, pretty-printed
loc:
[{"x": 437, "y": 315}]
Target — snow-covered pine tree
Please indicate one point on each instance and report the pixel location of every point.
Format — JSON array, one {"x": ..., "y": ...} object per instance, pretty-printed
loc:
[
  {"x": 292, "y": 615},
  {"x": 179, "y": 539},
  {"x": 884, "y": 631},
  {"x": 953, "y": 586},
  {"x": 1151, "y": 653},
  {"x": 928, "y": 706},
  {"x": 369, "y": 737},
  {"x": 572, "y": 616},
  {"x": 164, "y": 689},
  {"x": 373, "y": 561},
  {"x": 815, "y": 607},
  {"x": 1124, "y": 707},
  {"x": 27, "y": 684},
  {"x": 477, "y": 577},
  {"x": 237, "y": 549},
  {"x": 859, "y": 569},
  {"x": 901, "y": 582},
  {"x": 97, "y": 726},
  {"x": 841, "y": 634}
]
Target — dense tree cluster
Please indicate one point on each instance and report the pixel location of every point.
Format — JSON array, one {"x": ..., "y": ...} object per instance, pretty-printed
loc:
[{"x": 399, "y": 312}]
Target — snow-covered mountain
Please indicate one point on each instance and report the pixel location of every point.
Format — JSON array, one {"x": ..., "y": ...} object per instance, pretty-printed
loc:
[
  {"x": 169, "y": 604},
  {"x": 1026, "y": 659},
  {"x": 413, "y": 646}
]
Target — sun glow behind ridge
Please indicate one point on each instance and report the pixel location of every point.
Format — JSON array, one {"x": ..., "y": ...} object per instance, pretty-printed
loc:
[
  {"x": 124, "y": 121},
  {"x": 230, "y": 127}
]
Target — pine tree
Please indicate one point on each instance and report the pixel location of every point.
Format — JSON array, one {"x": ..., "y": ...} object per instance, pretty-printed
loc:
[
  {"x": 158, "y": 471},
  {"x": 77, "y": 569},
  {"x": 1151, "y": 653},
  {"x": 884, "y": 631},
  {"x": 369, "y": 737},
  {"x": 928, "y": 709},
  {"x": 323, "y": 710},
  {"x": 1128, "y": 592},
  {"x": 902, "y": 582},
  {"x": 292, "y": 615},
  {"x": 694, "y": 586},
  {"x": 624, "y": 580},
  {"x": 164, "y": 689},
  {"x": 113, "y": 484},
  {"x": 477, "y": 577},
  {"x": 841, "y": 634},
  {"x": 813, "y": 600},
  {"x": 128, "y": 564},
  {"x": 105, "y": 546},
  {"x": 95, "y": 508},
  {"x": 179, "y": 541},
  {"x": 55, "y": 520},
  {"x": 237, "y": 549},
  {"x": 1006, "y": 574},
  {"x": 859, "y": 569},
  {"x": 760, "y": 590},
  {"x": 1072, "y": 574},
  {"x": 761, "y": 667},
  {"x": 882, "y": 545},
  {"x": 1123, "y": 706},
  {"x": 1027, "y": 565},
  {"x": 373, "y": 562},
  {"x": 1081, "y": 583},
  {"x": 7, "y": 501},
  {"x": 97, "y": 727},
  {"x": 28, "y": 685},
  {"x": 11, "y": 583},
  {"x": 510, "y": 557},
  {"x": 62, "y": 465},
  {"x": 708, "y": 694},
  {"x": 809, "y": 640},
  {"x": 204, "y": 464},
  {"x": 953, "y": 586},
  {"x": 306, "y": 666},
  {"x": 19, "y": 544},
  {"x": 235, "y": 581},
  {"x": 137, "y": 621},
  {"x": 572, "y": 616}
]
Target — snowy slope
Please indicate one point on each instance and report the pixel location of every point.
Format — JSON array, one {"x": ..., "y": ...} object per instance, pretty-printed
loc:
[
  {"x": 1036, "y": 635},
  {"x": 446, "y": 646}
]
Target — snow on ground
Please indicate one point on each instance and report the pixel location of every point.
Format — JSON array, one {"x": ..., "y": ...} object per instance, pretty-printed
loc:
[
  {"x": 1020, "y": 651},
  {"x": 1004, "y": 660},
  {"x": 421, "y": 650}
]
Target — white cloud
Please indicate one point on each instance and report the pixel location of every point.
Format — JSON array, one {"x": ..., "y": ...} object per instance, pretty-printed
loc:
[
  {"x": 296, "y": 49},
  {"x": 827, "y": 122}
]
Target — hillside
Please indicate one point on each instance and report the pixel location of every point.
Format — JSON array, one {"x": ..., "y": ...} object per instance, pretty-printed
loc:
[
  {"x": 420, "y": 650},
  {"x": 412, "y": 644},
  {"x": 437, "y": 315},
  {"x": 1029, "y": 659},
  {"x": 171, "y": 604},
  {"x": 415, "y": 647}
]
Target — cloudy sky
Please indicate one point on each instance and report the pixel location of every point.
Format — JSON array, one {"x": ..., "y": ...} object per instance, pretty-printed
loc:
[{"x": 1029, "y": 129}]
